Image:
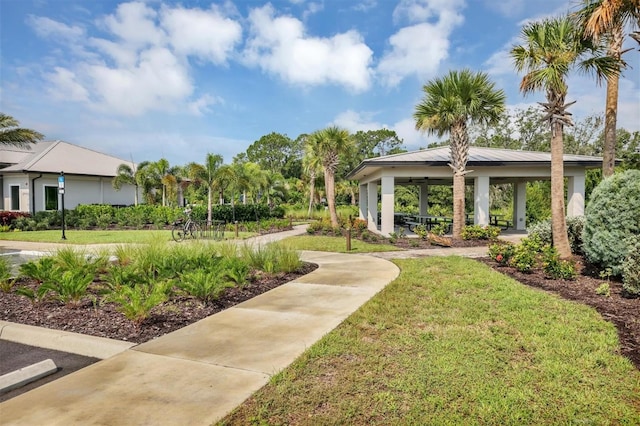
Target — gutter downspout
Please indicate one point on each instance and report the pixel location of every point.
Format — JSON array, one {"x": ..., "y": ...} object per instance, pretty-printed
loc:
[{"x": 33, "y": 194}]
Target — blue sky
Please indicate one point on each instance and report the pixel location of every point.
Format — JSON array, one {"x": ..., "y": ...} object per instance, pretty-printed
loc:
[{"x": 146, "y": 80}]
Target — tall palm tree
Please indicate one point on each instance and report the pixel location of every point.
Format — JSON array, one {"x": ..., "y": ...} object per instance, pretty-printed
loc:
[
  {"x": 450, "y": 105},
  {"x": 312, "y": 166},
  {"x": 126, "y": 175},
  {"x": 328, "y": 144},
  {"x": 145, "y": 180},
  {"x": 11, "y": 134},
  {"x": 608, "y": 18},
  {"x": 549, "y": 50},
  {"x": 207, "y": 174}
]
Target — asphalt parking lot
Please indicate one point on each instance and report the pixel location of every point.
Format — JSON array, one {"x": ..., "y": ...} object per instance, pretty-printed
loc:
[{"x": 14, "y": 356}]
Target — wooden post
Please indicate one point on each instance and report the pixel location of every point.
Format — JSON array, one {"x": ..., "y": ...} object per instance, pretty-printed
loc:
[
  {"x": 236, "y": 223},
  {"x": 349, "y": 234}
]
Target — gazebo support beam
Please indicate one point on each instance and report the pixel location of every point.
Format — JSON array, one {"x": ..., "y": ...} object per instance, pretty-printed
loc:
[
  {"x": 481, "y": 200},
  {"x": 520, "y": 205},
  {"x": 372, "y": 211},
  {"x": 424, "y": 199},
  {"x": 388, "y": 202},
  {"x": 363, "y": 202},
  {"x": 575, "y": 192}
]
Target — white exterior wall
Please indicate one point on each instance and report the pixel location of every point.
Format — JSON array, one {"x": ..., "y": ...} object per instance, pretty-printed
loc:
[{"x": 78, "y": 190}]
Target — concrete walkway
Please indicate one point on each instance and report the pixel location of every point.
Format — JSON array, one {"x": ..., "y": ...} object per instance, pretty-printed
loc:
[{"x": 196, "y": 375}]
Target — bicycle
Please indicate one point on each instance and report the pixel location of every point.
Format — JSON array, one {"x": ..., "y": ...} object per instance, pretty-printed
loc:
[{"x": 189, "y": 229}]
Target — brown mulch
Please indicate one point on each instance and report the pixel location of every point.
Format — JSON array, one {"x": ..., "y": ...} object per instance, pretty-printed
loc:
[
  {"x": 104, "y": 320},
  {"x": 622, "y": 311}
]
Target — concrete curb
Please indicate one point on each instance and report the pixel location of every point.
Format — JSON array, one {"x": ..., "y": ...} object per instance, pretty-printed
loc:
[
  {"x": 65, "y": 341},
  {"x": 26, "y": 375}
]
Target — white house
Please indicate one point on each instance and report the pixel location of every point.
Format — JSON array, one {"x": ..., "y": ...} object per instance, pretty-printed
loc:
[
  {"x": 29, "y": 177},
  {"x": 486, "y": 166}
]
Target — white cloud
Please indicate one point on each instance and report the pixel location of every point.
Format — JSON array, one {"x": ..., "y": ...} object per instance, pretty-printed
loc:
[
  {"x": 280, "y": 46},
  {"x": 420, "y": 48},
  {"x": 206, "y": 34},
  {"x": 203, "y": 104},
  {"x": 65, "y": 85},
  {"x": 365, "y": 5},
  {"x": 135, "y": 24},
  {"x": 46, "y": 28},
  {"x": 312, "y": 8},
  {"x": 157, "y": 82},
  {"x": 508, "y": 8},
  {"x": 417, "y": 50}
]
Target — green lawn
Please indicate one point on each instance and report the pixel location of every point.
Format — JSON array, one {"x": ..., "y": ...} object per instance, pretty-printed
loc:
[
  {"x": 99, "y": 236},
  {"x": 334, "y": 244},
  {"x": 452, "y": 342}
]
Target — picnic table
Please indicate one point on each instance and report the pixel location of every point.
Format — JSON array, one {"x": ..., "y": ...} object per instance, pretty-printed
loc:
[{"x": 428, "y": 221}]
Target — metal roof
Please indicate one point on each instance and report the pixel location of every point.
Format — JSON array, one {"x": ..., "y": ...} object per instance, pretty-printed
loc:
[
  {"x": 478, "y": 156},
  {"x": 58, "y": 156}
]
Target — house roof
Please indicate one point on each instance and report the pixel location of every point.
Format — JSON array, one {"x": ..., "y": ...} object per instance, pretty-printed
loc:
[
  {"x": 56, "y": 157},
  {"x": 478, "y": 156}
]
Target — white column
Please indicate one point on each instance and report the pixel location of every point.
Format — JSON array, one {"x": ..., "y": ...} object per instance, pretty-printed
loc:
[
  {"x": 575, "y": 192},
  {"x": 424, "y": 199},
  {"x": 372, "y": 198},
  {"x": 520, "y": 206},
  {"x": 363, "y": 202},
  {"x": 388, "y": 186},
  {"x": 481, "y": 200}
]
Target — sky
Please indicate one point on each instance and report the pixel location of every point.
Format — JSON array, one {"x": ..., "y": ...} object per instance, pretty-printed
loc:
[{"x": 144, "y": 80}]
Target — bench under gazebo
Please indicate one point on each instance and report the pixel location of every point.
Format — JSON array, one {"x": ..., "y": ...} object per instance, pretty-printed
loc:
[{"x": 486, "y": 166}]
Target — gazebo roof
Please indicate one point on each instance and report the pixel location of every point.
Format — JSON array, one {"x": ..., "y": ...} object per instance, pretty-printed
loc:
[{"x": 478, "y": 156}]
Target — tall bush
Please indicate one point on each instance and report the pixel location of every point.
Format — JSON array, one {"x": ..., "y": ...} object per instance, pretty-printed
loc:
[
  {"x": 575, "y": 230},
  {"x": 612, "y": 224}
]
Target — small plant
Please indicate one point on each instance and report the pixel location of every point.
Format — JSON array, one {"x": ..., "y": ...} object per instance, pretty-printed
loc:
[
  {"x": 524, "y": 259},
  {"x": 359, "y": 225},
  {"x": 604, "y": 290},
  {"x": 421, "y": 231},
  {"x": 439, "y": 229},
  {"x": 6, "y": 280},
  {"x": 137, "y": 302},
  {"x": 69, "y": 287},
  {"x": 502, "y": 252},
  {"x": 631, "y": 272},
  {"x": 236, "y": 270},
  {"x": 554, "y": 267},
  {"x": 478, "y": 232},
  {"x": 203, "y": 285},
  {"x": 39, "y": 270}
]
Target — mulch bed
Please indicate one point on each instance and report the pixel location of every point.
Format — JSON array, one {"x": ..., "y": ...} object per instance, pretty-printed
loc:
[
  {"x": 623, "y": 312},
  {"x": 106, "y": 321}
]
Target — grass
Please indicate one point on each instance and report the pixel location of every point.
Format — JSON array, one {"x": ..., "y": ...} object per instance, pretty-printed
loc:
[
  {"x": 452, "y": 342},
  {"x": 99, "y": 236},
  {"x": 334, "y": 244}
]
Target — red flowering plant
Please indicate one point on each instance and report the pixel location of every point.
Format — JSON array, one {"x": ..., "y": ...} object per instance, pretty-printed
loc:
[{"x": 501, "y": 252}]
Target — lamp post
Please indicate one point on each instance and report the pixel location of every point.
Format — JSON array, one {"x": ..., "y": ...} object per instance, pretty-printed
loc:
[{"x": 61, "y": 192}]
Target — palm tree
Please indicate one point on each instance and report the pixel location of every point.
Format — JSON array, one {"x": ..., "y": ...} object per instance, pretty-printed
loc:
[
  {"x": 450, "y": 105},
  {"x": 328, "y": 144},
  {"x": 145, "y": 179},
  {"x": 208, "y": 174},
  {"x": 312, "y": 166},
  {"x": 608, "y": 18},
  {"x": 550, "y": 49},
  {"x": 126, "y": 175},
  {"x": 11, "y": 134}
]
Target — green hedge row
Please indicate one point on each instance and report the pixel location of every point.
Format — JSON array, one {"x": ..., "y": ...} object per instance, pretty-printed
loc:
[{"x": 104, "y": 216}]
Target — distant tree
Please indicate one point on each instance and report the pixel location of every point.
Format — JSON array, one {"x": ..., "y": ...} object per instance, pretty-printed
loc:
[
  {"x": 126, "y": 175},
  {"x": 450, "y": 104},
  {"x": 312, "y": 166},
  {"x": 208, "y": 174},
  {"x": 549, "y": 50},
  {"x": 13, "y": 135},
  {"x": 328, "y": 144},
  {"x": 271, "y": 151}
]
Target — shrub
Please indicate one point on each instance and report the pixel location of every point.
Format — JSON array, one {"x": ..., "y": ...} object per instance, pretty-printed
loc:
[
  {"x": 524, "y": 258},
  {"x": 6, "y": 280},
  {"x": 604, "y": 290},
  {"x": 502, "y": 252},
  {"x": 556, "y": 268},
  {"x": 631, "y": 272},
  {"x": 612, "y": 224},
  {"x": 575, "y": 227},
  {"x": 479, "y": 232},
  {"x": 136, "y": 302},
  {"x": 203, "y": 285}
]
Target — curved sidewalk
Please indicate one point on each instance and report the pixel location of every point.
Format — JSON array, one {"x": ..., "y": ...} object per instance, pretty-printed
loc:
[{"x": 196, "y": 375}]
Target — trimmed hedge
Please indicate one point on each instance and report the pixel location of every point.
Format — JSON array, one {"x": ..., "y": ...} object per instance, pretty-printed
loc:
[{"x": 613, "y": 220}]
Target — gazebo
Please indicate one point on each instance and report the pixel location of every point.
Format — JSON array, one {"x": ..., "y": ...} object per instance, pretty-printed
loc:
[{"x": 486, "y": 166}]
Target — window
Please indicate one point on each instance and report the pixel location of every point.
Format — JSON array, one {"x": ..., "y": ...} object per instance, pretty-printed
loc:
[
  {"x": 51, "y": 198},
  {"x": 15, "y": 197}
]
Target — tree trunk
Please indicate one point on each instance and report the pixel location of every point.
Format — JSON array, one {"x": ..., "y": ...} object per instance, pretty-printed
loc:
[
  {"x": 164, "y": 195},
  {"x": 135, "y": 196},
  {"x": 331, "y": 195},
  {"x": 458, "y": 205},
  {"x": 611, "y": 108},
  {"x": 558, "y": 221},
  {"x": 209, "y": 203},
  {"x": 312, "y": 190}
]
